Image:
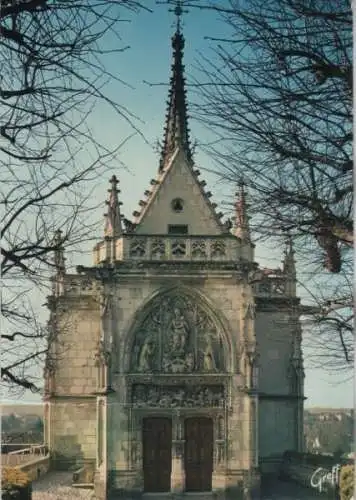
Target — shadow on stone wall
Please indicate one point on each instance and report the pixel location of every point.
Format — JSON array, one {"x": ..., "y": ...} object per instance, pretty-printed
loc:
[{"x": 67, "y": 453}]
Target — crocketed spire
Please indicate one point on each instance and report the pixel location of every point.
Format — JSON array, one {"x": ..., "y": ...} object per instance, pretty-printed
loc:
[
  {"x": 176, "y": 131},
  {"x": 288, "y": 261},
  {"x": 242, "y": 229},
  {"x": 113, "y": 227}
]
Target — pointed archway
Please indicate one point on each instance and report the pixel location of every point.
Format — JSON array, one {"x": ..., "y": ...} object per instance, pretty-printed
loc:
[{"x": 177, "y": 332}]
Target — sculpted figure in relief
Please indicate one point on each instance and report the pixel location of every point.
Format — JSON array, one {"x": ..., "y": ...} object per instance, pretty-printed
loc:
[
  {"x": 146, "y": 356},
  {"x": 178, "y": 397},
  {"x": 208, "y": 356},
  {"x": 153, "y": 396},
  {"x": 189, "y": 362},
  {"x": 180, "y": 331},
  {"x": 178, "y": 336}
]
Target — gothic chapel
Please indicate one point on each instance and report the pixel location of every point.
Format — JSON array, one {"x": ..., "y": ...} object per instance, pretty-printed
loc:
[{"x": 176, "y": 363}]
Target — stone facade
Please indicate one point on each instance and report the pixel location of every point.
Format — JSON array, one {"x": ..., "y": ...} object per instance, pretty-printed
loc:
[{"x": 175, "y": 329}]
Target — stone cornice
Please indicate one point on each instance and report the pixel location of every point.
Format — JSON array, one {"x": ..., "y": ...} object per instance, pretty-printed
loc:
[
  {"x": 142, "y": 268},
  {"x": 103, "y": 392},
  {"x": 272, "y": 303},
  {"x": 280, "y": 397},
  {"x": 82, "y": 301},
  {"x": 185, "y": 236},
  {"x": 179, "y": 379},
  {"x": 70, "y": 397}
]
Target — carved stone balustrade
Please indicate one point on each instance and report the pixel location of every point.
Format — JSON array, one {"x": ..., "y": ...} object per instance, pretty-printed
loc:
[
  {"x": 270, "y": 287},
  {"x": 176, "y": 248},
  {"x": 73, "y": 284}
]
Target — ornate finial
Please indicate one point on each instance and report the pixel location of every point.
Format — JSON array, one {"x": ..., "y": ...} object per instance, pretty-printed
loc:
[
  {"x": 176, "y": 132},
  {"x": 113, "y": 228},
  {"x": 289, "y": 268},
  {"x": 59, "y": 259},
  {"x": 177, "y": 10},
  {"x": 242, "y": 229},
  {"x": 289, "y": 250}
]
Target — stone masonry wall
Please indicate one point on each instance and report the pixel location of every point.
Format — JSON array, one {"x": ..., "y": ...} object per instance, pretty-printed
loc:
[
  {"x": 274, "y": 338},
  {"x": 277, "y": 417},
  {"x": 73, "y": 426},
  {"x": 276, "y": 427},
  {"x": 72, "y": 412},
  {"x": 76, "y": 373}
]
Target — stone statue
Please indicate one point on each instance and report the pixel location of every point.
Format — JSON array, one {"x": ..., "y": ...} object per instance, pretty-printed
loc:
[
  {"x": 209, "y": 398},
  {"x": 146, "y": 357},
  {"x": 189, "y": 362},
  {"x": 180, "y": 331},
  {"x": 152, "y": 396},
  {"x": 179, "y": 397},
  {"x": 201, "y": 398},
  {"x": 208, "y": 357},
  {"x": 165, "y": 400},
  {"x": 219, "y": 398}
]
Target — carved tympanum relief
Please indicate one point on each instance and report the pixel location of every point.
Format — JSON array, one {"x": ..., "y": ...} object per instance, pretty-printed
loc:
[{"x": 177, "y": 336}]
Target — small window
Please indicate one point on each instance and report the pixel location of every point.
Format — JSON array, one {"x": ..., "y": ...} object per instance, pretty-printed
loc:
[
  {"x": 177, "y": 205},
  {"x": 177, "y": 229}
]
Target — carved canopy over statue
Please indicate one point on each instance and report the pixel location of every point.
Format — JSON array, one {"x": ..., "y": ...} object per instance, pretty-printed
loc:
[{"x": 178, "y": 336}]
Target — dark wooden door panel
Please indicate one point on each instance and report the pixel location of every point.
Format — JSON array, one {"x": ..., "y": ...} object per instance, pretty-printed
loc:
[
  {"x": 198, "y": 454},
  {"x": 157, "y": 454}
]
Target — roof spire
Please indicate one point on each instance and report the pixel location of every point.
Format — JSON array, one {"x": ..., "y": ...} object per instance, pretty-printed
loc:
[
  {"x": 288, "y": 261},
  {"x": 289, "y": 269},
  {"x": 176, "y": 133},
  {"x": 178, "y": 11},
  {"x": 242, "y": 229},
  {"x": 113, "y": 228},
  {"x": 59, "y": 259},
  {"x": 59, "y": 263}
]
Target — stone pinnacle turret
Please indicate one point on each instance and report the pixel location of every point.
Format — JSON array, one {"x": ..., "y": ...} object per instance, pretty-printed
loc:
[
  {"x": 113, "y": 226},
  {"x": 242, "y": 229}
]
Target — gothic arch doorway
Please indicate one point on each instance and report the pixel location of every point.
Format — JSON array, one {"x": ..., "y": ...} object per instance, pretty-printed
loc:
[{"x": 198, "y": 454}]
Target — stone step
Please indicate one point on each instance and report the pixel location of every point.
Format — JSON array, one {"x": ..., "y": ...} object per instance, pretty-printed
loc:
[{"x": 169, "y": 496}]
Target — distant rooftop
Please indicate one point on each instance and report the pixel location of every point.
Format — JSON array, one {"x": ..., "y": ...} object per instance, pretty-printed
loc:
[{"x": 318, "y": 409}]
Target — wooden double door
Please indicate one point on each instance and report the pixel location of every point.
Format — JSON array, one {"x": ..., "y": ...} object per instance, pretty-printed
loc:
[{"x": 157, "y": 454}]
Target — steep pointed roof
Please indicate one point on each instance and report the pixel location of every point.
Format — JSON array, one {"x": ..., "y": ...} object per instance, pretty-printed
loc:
[
  {"x": 176, "y": 132},
  {"x": 177, "y": 179},
  {"x": 113, "y": 226}
]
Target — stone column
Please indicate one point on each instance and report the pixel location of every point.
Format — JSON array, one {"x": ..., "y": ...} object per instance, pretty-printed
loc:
[
  {"x": 101, "y": 474},
  {"x": 48, "y": 425},
  {"x": 219, "y": 470},
  {"x": 177, "y": 472}
]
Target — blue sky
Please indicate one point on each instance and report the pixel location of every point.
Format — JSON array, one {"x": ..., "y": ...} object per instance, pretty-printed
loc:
[{"x": 149, "y": 59}]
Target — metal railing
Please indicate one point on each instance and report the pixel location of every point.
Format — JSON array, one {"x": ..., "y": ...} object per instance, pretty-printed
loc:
[{"x": 40, "y": 450}]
